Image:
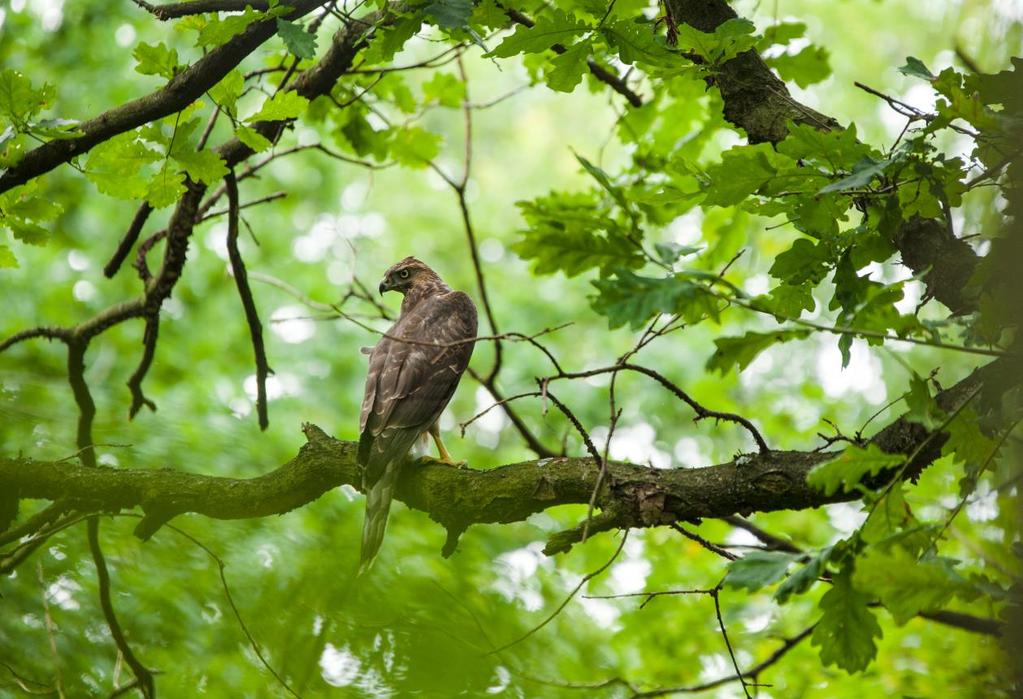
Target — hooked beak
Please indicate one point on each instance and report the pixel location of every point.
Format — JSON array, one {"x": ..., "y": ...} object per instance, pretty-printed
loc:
[{"x": 384, "y": 286}]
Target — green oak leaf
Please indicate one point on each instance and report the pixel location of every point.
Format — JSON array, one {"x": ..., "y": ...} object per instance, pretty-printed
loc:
[
  {"x": 7, "y": 258},
  {"x": 114, "y": 166},
  {"x": 252, "y": 138},
  {"x": 226, "y": 93},
  {"x": 847, "y": 470},
  {"x": 758, "y": 569},
  {"x": 219, "y": 30},
  {"x": 389, "y": 40},
  {"x": 204, "y": 165},
  {"x": 669, "y": 253},
  {"x": 165, "y": 188},
  {"x": 1004, "y": 88},
  {"x": 806, "y": 67},
  {"x": 28, "y": 232},
  {"x": 907, "y": 586},
  {"x": 156, "y": 60},
  {"x": 837, "y": 149},
  {"x": 915, "y": 67},
  {"x": 969, "y": 446},
  {"x": 552, "y": 27},
  {"x": 19, "y": 100},
  {"x": 740, "y": 351},
  {"x": 25, "y": 203},
  {"x": 604, "y": 180},
  {"x": 805, "y": 261},
  {"x": 742, "y": 171},
  {"x": 283, "y": 105},
  {"x": 804, "y": 577},
  {"x": 890, "y": 516},
  {"x": 781, "y": 33},
  {"x": 450, "y": 14},
  {"x": 415, "y": 147},
  {"x": 445, "y": 89},
  {"x": 299, "y": 40},
  {"x": 787, "y": 300},
  {"x": 638, "y": 43},
  {"x": 567, "y": 70},
  {"x": 728, "y": 40},
  {"x": 862, "y": 174},
  {"x": 923, "y": 410},
  {"x": 847, "y": 627},
  {"x": 628, "y": 298}
]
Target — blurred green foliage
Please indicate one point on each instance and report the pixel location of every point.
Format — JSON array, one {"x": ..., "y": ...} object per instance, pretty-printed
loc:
[{"x": 585, "y": 211}]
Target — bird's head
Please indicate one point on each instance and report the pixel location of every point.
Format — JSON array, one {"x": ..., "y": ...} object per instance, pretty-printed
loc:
[{"x": 407, "y": 274}]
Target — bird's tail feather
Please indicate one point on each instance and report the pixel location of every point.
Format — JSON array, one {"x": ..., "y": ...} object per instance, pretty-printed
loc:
[{"x": 378, "y": 505}]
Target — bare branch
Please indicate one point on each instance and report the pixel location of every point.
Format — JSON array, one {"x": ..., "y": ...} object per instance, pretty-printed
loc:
[
  {"x": 245, "y": 293},
  {"x": 728, "y": 644},
  {"x": 142, "y": 674},
  {"x": 569, "y": 598},
  {"x": 700, "y": 410},
  {"x": 752, "y": 673},
  {"x": 128, "y": 241},
  {"x": 221, "y": 566}
]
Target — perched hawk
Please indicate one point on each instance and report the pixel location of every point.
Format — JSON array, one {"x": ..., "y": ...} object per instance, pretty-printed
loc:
[{"x": 413, "y": 372}]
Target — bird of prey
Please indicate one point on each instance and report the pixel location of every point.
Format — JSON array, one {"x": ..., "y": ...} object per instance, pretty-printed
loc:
[{"x": 413, "y": 372}]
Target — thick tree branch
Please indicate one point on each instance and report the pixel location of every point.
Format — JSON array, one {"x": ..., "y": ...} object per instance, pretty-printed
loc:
[
  {"x": 631, "y": 495},
  {"x": 454, "y": 497}
]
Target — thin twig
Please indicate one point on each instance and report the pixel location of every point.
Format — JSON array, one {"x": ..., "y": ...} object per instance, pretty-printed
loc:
[
  {"x": 128, "y": 241},
  {"x": 649, "y": 596},
  {"x": 773, "y": 543},
  {"x": 728, "y": 644},
  {"x": 567, "y": 412},
  {"x": 142, "y": 674},
  {"x": 234, "y": 607},
  {"x": 51, "y": 633},
  {"x": 569, "y": 598},
  {"x": 463, "y": 425},
  {"x": 701, "y": 411},
  {"x": 714, "y": 548},
  {"x": 752, "y": 673},
  {"x": 248, "y": 303}
]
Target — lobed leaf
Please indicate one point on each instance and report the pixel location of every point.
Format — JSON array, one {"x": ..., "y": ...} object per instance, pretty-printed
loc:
[
  {"x": 851, "y": 467},
  {"x": 847, "y": 627}
]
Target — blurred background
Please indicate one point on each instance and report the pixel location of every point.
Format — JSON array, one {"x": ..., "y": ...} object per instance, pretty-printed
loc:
[{"x": 422, "y": 625}]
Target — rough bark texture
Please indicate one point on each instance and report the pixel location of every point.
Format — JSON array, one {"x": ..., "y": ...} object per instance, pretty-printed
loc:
[
  {"x": 760, "y": 104},
  {"x": 634, "y": 496},
  {"x": 631, "y": 496}
]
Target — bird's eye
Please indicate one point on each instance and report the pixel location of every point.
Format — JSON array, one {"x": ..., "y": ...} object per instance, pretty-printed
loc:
[{"x": 403, "y": 274}]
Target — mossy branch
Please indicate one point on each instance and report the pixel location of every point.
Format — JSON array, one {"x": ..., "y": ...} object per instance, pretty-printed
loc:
[{"x": 630, "y": 496}]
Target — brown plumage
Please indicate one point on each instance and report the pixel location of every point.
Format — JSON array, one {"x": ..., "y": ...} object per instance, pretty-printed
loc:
[{"x": 413, "y": 372}]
